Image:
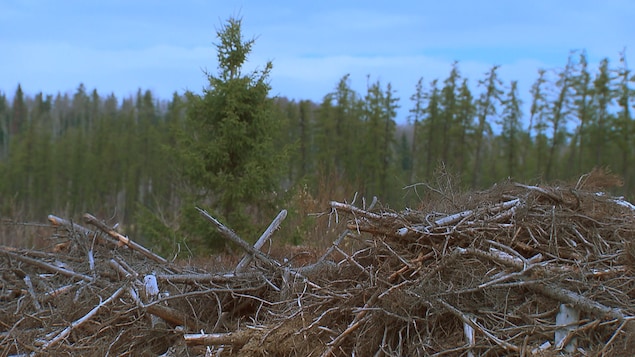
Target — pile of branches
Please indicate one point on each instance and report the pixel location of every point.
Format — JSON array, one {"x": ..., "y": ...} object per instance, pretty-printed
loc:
[{"x": 516, "y": 270}]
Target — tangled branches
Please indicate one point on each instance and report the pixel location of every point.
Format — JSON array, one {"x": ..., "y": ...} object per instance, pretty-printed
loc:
[{"x": 517, "y": 270}]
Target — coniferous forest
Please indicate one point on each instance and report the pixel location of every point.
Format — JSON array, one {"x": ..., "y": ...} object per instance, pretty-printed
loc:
[{"x": 146, "y": 162}]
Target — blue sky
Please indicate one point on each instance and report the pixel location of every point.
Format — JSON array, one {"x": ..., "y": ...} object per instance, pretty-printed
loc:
[{"x": 119, "y": 46}]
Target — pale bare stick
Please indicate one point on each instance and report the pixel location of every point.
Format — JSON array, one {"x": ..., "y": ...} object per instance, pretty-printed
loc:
[
  {"x": 57, "y": 221},
  {"x": 275, "y": 224},
  {"x": 354, "y": 325},
  {"x": 466, "y": 320},
  {"x": 46, "y": 266},
  {"x": 236, "y": 339},
  {"x": 65, "y": 332},
  {"x": 126, "y": 241},
  {"x": 229, "y": 234}
]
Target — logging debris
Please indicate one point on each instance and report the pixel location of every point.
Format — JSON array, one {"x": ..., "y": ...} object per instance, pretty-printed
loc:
[{"x": 515, "y": 270}]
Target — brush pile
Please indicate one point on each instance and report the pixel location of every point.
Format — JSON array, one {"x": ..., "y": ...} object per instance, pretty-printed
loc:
[{"x": 516, "y": 270}]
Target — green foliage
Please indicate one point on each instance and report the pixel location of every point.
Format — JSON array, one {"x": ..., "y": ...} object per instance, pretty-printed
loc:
[
  {"x": 486, "y": 107},
  {"x": 624, "y": 127},
  {"x": 377, "y": 146},
  {"x": 511, "y": 130},
  {"x": 226, "y": 147},
  {"x": 559, "y": 113},
  {"x": 159, "y": 233},
  {"x": 464, "y": 128},
  {"x": 430, "y": 130},
  {"x": 147, "y": 163}
]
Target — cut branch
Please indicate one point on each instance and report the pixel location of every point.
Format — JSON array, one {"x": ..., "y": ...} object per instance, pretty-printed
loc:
[
  {"x": 126, "y": 241},
  {"x": 65, "y": 332},
  {"x": 275, "y": 224},
  {"x": 235, "y": 339},
  {"x": 46, "y": 266},
  {"x": 229, "y": 234}
]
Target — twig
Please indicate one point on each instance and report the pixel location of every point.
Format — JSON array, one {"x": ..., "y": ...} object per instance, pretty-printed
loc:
[
  {"x": 65, "y": 332},
  {"x": 126, "y": 241},
  {"x": 354, "y": 325},
  {"x": 29, "y": 285},
  {"x": 362, "y": 213},
  {"x": 615, "y": 334},
  {"x": 466, "y": 320},
  {"x": 542, "y": 191},
  {"x": 46, "y": 266}
]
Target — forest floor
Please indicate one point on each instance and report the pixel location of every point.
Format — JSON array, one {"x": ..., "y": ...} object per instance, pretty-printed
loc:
[{"x": 515, "y": 270}]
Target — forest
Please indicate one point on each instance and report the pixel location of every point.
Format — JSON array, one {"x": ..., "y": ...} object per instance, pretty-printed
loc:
[{"x": 146, "y": 162}]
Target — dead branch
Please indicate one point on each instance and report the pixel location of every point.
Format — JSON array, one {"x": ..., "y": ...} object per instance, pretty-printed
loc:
[
  {"x": 45, "y": 266},
  {"x": 174, "y": 316},
  {"x": 65, "y": 332},
  {"x": 125, "y": 240},
  {"x": 583, "y": 303},
  {"x": 216, "y": 278},
  {"x": 236, "y": 339},
  {"x": 229, "y": 234},
  {"x": 275, "y": 224},
  {"x": 502, "y": 261}
]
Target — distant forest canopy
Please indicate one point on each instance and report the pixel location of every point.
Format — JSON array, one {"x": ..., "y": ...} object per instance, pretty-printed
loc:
[{"x": 89, "y": 152}]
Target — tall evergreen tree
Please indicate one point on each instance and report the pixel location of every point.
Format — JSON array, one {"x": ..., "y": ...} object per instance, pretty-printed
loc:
[
  {"x": 227, "y": 148},
  {"x": 415, "y": 117},
  {"x": 4, "y": 126},
  {"x": 325, "y": 151},
  {"x": 304, "y": 137},
  {"x": 486, "y": 107},
  {"x": 466, "y": 112},
  {"x": 511, "y": 128},
  {"x": 537, "y": 124},
  {"x": 19, "y": 113},
  {"x": 431, "y": 127},
  {"x": 581, "y": 83},
  {"x": 624, "y": 127},
  {"x": 449, "y": 112},
  {"x": 337, "y": 122},
  {"x": 603, "y": 96},
  {"x": 558, "y": 114},
  {"x": 378, "y": 144}
]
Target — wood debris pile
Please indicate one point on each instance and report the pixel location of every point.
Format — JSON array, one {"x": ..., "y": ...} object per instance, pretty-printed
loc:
[{"x": 517, "y": 270}]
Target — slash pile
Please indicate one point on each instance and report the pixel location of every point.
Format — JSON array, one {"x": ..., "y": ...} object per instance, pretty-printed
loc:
[{"x": 516, "y": 270}]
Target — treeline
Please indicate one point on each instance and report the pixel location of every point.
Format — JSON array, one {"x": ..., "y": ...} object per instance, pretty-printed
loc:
[
  {"x": 89, "y": 152},
  {"x": 579, "y": 118}
]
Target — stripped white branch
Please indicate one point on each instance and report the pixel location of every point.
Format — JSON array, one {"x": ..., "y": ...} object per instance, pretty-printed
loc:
[
  {"x": 275, "y": 224},
  {"x": 65, "y": 332}
]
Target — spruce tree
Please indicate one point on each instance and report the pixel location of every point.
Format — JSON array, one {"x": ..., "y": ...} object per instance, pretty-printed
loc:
[
  {"x": 415, "y": 117},
  {"x": 377, "y": 146},
  {"x": 537, "y": 120},
  {"x": 603, "y": 96},
  {"x": 581, "y": 83},
  {"x": 4, "y": 126},
  {"x": 226, "y": 149},
  {"x": 19, "y": 113},
  {"x": 511, "y": 127},
  {"x": 431, "y": 125},
  {"x": 466, "y": 113},
  {"x": 558, "y": 116},
  {"x": 487, "y": 104},
  {"x": 624, "y": 121},
  {"x": 449, "y": 113}
]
